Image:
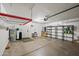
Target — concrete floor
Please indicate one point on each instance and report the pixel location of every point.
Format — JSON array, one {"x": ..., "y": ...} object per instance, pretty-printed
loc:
[{"x": 43, "y": 47}]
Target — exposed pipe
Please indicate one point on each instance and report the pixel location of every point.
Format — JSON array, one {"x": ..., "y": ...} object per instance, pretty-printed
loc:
[
  {"x": 31, "y": 13},
  {"x": 62, "y": 11},
  {"x": 18, "y": 17},
  {"x": 32, "y": 10},
  {"x": 13, "y": 16}
]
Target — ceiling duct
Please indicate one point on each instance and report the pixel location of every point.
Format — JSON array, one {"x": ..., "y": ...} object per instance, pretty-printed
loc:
[
  {"x": 17, "y": 17},
  {"x": 46, "y": 17}
]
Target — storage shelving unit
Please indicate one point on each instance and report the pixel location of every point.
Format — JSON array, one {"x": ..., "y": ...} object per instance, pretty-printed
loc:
[
  {"x": 69, "y": 36},
  {"x": 57, "y": 32}
]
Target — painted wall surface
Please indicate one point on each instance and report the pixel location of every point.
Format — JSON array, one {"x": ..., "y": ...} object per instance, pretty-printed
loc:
[
  {"x": 35, "y": 27},
  {"x": 4, "y": 34},
  {"x": 3, "y": 40},
  {"x": 28, "y": 29}
]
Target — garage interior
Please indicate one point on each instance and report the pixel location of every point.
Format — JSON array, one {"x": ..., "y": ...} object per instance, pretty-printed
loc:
[{"x": 39, "y": 29}]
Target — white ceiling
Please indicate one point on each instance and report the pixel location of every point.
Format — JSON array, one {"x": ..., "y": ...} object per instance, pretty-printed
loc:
[{"x": 40, "y": 10}]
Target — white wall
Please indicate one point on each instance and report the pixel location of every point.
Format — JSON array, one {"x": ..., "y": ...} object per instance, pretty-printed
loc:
[
  {"x": 74, "y": 22},
  {"x": 37, "y": 27},
  {"x": 3, "y": 40},
  {"x": 29, "y": 28},
  {"x": 4, "y": 35}
]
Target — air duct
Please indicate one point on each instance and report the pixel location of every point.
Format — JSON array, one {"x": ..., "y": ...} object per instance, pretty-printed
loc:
[{"x": 45, "y": 19}]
